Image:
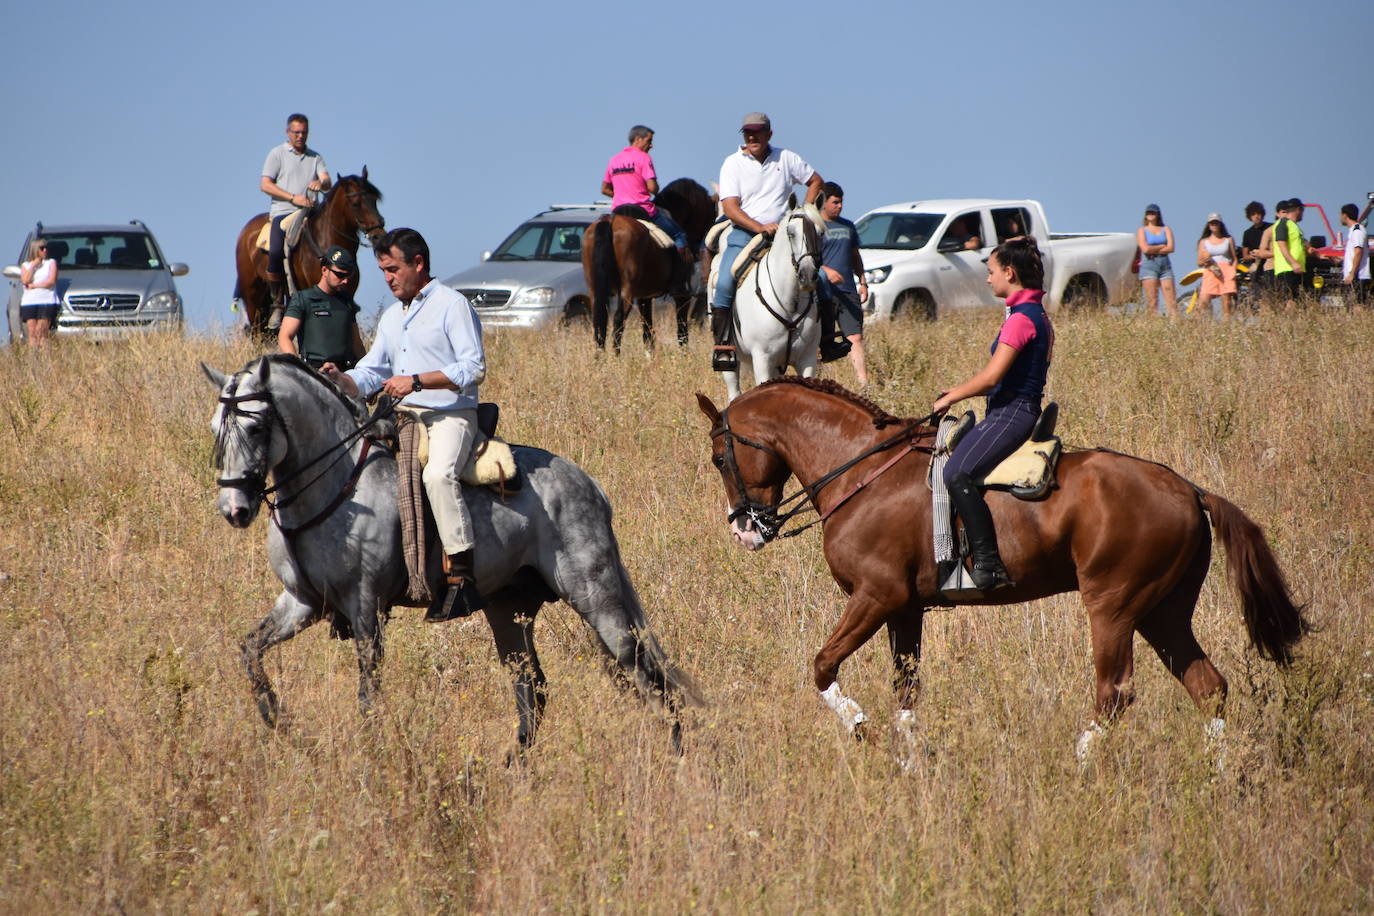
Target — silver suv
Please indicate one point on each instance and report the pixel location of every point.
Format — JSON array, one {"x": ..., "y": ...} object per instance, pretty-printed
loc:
[
  {"x": 535, "y": 276},
  {"x": 111, "y": 279}
]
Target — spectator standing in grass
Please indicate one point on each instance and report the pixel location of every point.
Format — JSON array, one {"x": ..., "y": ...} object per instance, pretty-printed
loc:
[
  {"x": 325, "y": 316},
  {"x": 1285, "y": 243},
  {"x": 1155, "y": 241},
  {"x": 1355, "y": 266},
  {"x": 840, "y": 264},
  {"x": 1261, "y": 270},
  {"x": 38, "y": 305},
  {"x": 1216, "y": 254}
]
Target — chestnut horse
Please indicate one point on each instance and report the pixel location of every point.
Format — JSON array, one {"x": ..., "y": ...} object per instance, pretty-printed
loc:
[
  {"x": 1131, "y": 536},
  {"x": 349, "y": 208},
  {"x": 619, "y": 258}
]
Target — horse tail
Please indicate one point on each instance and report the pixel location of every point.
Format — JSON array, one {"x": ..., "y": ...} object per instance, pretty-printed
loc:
[
  {"x": 1274, "y": 622},
  {"x": 605, "y": 274}
]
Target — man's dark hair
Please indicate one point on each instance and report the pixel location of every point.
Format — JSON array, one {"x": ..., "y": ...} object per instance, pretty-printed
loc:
[
  {"x": 1351, "y": 211},
  {"x": 1254, "y": 207},
  {"x": 297, "y": 117},
  {"x": 829, "y": 190},
  {"x": 639, "y": 130},
  {"x": 1022, "y": 255},
  {"x": 407, "y": 241}
]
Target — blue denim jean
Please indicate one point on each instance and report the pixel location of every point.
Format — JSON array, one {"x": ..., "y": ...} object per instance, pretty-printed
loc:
[
  {"x": 1156, "y": 267},
  {"x": 725, "y": 279},
  {"x": 662, "y": 220}
]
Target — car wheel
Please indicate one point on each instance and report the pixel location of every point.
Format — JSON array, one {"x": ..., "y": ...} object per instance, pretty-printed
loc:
[
  {"x": 576, "y": 314},
  {"x": 915, "y": 303},
  {"x": 1085, "y": 292}
]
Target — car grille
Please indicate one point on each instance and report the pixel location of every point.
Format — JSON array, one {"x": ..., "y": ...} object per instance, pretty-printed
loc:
[
  {"x": 486, "y": 298},
  {"x": 103, "y": 302}
]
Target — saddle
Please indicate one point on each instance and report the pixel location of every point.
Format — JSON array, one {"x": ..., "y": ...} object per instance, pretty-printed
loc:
[
  {"x": 292, "y": 225},
  {"x": 492, "y": 465},
  {"x": 1028, "y": 472},
  {"x": 749, "y": 255}
]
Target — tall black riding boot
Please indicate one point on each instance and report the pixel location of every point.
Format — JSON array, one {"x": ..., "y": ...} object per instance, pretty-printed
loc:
[
  {"x": 833, "y": 347},
  {"x": 276, "y": 290},
  {"x": 988, "y": 572},
  {"x": 461, "y": 597},
  {"x": 723, "y": 355}
]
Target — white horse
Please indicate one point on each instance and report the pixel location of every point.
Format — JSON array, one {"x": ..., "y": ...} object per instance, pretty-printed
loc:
[{"x": 776, "y": 319}]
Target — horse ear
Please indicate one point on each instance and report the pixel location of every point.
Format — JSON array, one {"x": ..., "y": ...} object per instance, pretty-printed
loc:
[
  {"x": 708, "y": 408},
  {"x": 364, "y": 173},
  {"x": 216, "y": 377}
]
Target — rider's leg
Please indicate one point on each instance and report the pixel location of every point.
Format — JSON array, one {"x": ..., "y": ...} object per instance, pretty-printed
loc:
[
  {"x": 276, "y": 272},
  {"x": 683, "y": 273},
  {"x": 451, "y": 437},
  {"x": 1002, "y": 431},
  {"x": 723, "y": 357}
]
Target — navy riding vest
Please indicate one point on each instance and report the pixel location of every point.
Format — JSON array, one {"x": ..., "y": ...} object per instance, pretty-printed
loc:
[{"x": 1027, "y": 376}]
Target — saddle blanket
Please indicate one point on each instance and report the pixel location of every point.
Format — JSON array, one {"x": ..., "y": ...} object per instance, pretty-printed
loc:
[
  {"x": 291, "y": 227},
  {"x": 660, "y": 238},
  {"x": 1028, "y": 472},
  {"x": 749, "y": 255}
]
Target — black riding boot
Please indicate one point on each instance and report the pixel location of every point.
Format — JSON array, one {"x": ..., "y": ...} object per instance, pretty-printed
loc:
[
  {"x": 988, "y": 572},
  {"x": 276, "y": 289},
  {"x": 723, "y": 355},
  {"x": 833, "y": 346},
  {"x": 461, "y": 597}
]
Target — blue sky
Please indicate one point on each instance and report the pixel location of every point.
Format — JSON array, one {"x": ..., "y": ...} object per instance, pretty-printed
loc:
[{"x": 472, "y": 118}]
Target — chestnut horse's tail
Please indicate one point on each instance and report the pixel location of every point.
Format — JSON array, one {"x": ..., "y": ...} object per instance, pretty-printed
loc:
[
  {"x": 1274, "y": 622},
  {"x": 605, "y": 274}
]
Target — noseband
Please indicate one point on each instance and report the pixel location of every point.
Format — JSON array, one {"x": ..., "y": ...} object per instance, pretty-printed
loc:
[{"x": 764, "y": 518}]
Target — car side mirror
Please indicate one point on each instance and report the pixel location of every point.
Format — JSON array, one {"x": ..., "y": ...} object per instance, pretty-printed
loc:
[
  {"x": 12, "y": 272},
  {"x": 949, "y": 246},
  {"x": 178, "y": 269},
  {"x": 486, "y": 256}
]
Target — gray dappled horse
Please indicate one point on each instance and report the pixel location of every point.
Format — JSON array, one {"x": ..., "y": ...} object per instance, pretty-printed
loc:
[{"x": 339, "y": 554}]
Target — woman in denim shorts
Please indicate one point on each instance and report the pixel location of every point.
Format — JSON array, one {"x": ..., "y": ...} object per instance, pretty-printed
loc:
[{"x": 1155, "y": 241}]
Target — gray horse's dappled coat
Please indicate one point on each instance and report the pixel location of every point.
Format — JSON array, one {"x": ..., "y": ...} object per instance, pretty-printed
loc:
[{"x": 552, "y": 539}]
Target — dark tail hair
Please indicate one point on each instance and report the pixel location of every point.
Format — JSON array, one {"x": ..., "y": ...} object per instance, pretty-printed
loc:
[
  {"x": 1274, "y": 622},
  {"x": 605, "y": 276}
]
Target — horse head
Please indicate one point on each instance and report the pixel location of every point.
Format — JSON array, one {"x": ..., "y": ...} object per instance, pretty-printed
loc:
[
  {"x": 358, "y": 209},
  {"x": 803, "y": 227},
  {"x": 250, "y": 439},
  {"x": 752, "y": 471}
]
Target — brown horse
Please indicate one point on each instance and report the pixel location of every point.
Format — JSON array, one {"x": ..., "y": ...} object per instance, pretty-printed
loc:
[
  {"x": 619, "y": 258},
  {"x": 1129, "y": 535},
  {"x": 348, "y": 209}
]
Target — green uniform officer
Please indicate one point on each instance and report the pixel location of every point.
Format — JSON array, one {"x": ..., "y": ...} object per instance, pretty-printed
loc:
[{"x": 323, "y": 320}]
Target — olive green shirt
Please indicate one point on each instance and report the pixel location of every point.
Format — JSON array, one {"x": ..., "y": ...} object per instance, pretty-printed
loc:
[{"x": 327, "y": 322}]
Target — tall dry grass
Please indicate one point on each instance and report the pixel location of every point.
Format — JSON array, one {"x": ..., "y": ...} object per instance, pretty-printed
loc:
[{"x": 135, "y": 775}]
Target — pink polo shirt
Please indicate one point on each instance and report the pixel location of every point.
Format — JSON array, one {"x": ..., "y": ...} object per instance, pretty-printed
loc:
[{"x": 629, "y": 172}]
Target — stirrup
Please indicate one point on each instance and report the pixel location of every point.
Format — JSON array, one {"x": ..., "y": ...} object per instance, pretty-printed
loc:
[
  {"x": 834, "y": 349},
  {"x": 460, "y": 599},
  {"x": 724, "y": 358}
]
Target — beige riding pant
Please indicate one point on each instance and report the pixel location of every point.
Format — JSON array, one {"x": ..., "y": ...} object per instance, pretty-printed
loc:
[{"x": 451, "y": 436}]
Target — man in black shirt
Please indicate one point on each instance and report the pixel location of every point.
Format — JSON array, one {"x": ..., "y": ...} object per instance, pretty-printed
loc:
[
  {"x": 324, "y": 316},
  {"x": 1262, "y": 271}
]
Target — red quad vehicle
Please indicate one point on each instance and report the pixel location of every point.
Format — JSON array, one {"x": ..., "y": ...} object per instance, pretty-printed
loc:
[{"x": 1324, "y": 264}]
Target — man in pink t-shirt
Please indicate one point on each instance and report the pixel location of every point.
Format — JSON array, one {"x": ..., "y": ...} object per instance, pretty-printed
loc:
[{"x": 630, "y": 181}]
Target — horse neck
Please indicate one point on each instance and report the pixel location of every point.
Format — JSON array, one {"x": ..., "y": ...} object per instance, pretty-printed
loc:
[
  {"x": 814, "y": 435},
  {"x": 315, "y": 419},
  {"x": 334, "y": 224}
]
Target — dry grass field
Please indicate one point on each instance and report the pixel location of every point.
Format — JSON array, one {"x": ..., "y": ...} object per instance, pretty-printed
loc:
[{"x": 135, "y": 775}]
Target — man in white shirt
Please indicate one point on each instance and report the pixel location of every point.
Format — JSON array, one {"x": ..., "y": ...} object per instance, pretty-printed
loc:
[
  {"x": 291, "y": 175},
  {"x": 755, "y": 181},
  {"x": 428, "y": 355},
  {"x": 1355, "y": 266}
]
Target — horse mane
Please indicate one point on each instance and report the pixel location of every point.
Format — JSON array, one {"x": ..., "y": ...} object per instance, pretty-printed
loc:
[
  {"x": 356, "y": 408},
  {"x": 881, "y": 418}
]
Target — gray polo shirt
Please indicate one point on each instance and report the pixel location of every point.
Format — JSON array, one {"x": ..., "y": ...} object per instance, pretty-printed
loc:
[{"x": 292, "y": 173}]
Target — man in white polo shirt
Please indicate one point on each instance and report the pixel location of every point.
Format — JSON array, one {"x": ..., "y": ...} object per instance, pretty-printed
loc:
[{"x": 754, "y": 183}]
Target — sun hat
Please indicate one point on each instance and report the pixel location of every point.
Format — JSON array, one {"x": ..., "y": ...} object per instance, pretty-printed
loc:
[{"x": 756, "y": 120}]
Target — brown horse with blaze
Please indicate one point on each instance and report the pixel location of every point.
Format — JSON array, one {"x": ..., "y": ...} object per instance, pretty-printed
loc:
[
  {"x": 348, "y": 210},
  {"x": 1131, "y": 536}
]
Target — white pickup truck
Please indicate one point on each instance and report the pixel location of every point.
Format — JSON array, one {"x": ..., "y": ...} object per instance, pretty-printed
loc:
[{"x": 928, "y": 255}]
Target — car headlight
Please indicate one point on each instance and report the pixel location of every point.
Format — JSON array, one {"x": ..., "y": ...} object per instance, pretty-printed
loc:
[
  {"x": 877, "y": 274},
  {"x": 162, "y": 302},
  {"x": 538, "y": 295}
]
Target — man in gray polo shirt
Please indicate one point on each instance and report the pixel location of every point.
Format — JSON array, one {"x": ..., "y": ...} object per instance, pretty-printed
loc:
[{"x": 292, "y": 174}]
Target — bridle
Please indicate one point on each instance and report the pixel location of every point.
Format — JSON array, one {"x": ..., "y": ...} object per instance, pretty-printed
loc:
[
  {"x": 254, "y": 481},
  {"x": 766, "y": 518}
]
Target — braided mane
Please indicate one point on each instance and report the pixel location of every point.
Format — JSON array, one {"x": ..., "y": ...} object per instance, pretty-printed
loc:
[{"x": 881, "y": 417}]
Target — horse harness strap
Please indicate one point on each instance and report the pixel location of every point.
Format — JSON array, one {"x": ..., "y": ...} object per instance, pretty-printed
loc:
[
  {"x": 343, "y": 496},
  {"x": 911, "y": 446}
]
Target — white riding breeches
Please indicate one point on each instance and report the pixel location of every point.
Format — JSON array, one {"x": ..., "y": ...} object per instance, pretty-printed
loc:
[{"x": 451, "y": 436}]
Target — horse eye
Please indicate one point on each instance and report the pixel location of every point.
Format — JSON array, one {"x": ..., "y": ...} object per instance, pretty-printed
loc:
[{"x": 718, "y": 461}]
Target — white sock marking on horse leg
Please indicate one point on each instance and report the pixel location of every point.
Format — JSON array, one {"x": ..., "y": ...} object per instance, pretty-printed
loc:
[
  {"x": 849, "y": 711},
  {"x": 1083, "y": 749}
]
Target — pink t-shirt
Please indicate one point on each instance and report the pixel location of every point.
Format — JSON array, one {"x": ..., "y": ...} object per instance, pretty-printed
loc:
[
  {"x": 1018, "y": 330},
  {"x": 629, "y": 173}
]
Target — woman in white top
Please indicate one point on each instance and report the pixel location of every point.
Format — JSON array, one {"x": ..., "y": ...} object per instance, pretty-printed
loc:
[
  {"x": 38, "y": 307},
  {"x": 1216, "y": 255}
]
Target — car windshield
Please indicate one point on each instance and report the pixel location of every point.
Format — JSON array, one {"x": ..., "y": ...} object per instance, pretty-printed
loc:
[
  {"x": 906, "y": 231},
  {"x": 543, "y": 242},
  {"x": 108, "y": 251}
]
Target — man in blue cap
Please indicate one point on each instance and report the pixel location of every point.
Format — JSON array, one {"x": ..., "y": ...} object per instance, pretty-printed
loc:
[{"x": 325, "y": 317}]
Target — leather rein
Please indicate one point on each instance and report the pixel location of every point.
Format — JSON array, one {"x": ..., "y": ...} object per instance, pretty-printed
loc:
[
  {"x": 766, "y": 518},
  {"x": 257, "y": 479}
]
